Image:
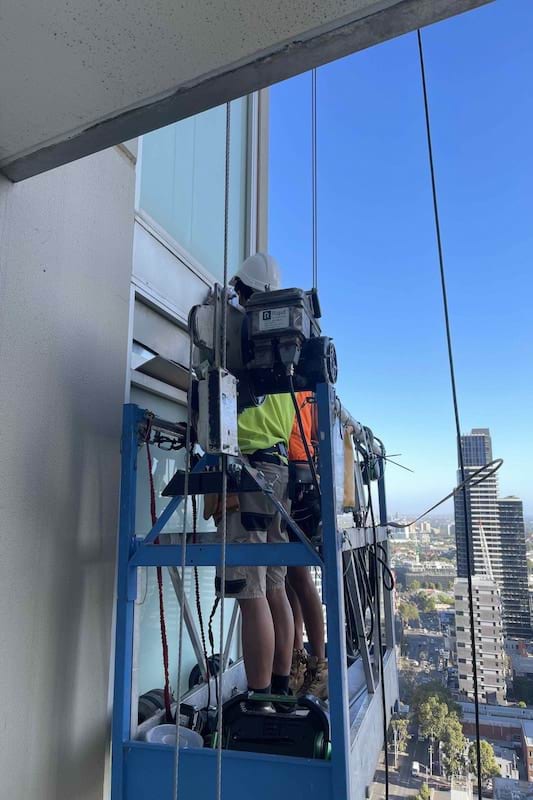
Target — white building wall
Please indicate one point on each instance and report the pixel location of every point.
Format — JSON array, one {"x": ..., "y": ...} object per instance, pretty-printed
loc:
[{"x": 65, "y": 267}]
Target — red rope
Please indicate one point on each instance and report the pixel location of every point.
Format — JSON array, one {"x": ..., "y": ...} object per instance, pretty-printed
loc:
[{"x": 162, "y": 623}]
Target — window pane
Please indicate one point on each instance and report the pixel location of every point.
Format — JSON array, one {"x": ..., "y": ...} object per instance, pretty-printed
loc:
[{"x": 182, "y": 184}]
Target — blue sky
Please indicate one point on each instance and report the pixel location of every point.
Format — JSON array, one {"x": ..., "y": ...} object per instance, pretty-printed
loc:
[{"x": 378, "y": 270}]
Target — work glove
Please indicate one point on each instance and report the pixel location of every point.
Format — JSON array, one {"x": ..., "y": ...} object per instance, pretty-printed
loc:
[{"x": 213, "y": 505}]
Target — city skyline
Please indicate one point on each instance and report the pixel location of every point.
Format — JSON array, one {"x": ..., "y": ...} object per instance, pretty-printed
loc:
[{"x": 376, "y": 238}]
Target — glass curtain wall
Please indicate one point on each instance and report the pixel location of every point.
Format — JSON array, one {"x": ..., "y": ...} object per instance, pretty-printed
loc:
[
  {"x": 181, "y": 174},
  {"x": 182, "y": 184}
]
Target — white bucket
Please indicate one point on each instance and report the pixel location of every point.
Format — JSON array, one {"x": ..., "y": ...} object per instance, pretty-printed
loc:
[{"x": 166, "y": 734}]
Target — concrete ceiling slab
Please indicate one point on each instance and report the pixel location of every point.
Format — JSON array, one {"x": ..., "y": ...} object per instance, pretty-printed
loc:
[{"x": 78, "y": 76}]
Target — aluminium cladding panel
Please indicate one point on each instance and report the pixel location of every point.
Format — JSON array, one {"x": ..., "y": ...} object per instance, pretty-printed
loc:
[
  {"x": 149, "y": 771},
  {"x": 159, "y": 270},
  {"x": 367, "y": 731}
]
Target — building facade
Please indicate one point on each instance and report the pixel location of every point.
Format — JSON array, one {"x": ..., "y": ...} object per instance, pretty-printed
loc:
[
  {"x": 100, "y": 262},
  {"x": 497, "y": 530},
  {"x": 514, "y": 584},
  {"x": 488, "y": 631}
]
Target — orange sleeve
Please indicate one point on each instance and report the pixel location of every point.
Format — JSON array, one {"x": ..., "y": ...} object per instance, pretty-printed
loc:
[{"x": 296, "y": 445}]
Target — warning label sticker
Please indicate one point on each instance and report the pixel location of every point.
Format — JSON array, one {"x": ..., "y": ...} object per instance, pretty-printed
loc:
[{"x": 273, "y": 319}]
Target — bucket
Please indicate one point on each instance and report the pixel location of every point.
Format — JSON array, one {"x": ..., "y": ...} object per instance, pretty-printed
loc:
[{"x": 166, "y": 734}]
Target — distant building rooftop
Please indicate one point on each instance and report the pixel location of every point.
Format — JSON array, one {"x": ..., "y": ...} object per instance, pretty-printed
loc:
[
  {"x": 522, "y": 665},
  {"x": 508, "y": 789}
]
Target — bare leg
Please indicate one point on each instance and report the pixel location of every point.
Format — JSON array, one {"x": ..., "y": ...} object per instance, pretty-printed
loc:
[
  {"x": 284, "y": 630},
  {"x": 257, "y": 641},
  {"x": 301, "y": 581},
  {"x": 297, "y": 615}
]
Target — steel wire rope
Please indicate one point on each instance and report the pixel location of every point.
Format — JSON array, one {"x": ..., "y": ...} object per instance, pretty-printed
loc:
[
  {"x": 314, "y": 203},
  {"x": 486, "y": 471},
  {"x": 183, "y": 562},
  {"x": 223, "y": 459},
  {"x": 468, "y": 536}
]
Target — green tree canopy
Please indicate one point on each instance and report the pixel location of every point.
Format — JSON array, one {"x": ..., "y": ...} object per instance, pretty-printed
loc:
[
  {"x": 436, "y": 689},
  {"x": 425, "y": 602},
  {"x": 432, "y": 717},
  {"x": 454, "y": 746},
  {"x": 489, "y": 765},
  {"x": 408, "y": 611},
  {"x": 400, "y": 731},
  {"x": 424, "y": 793}
]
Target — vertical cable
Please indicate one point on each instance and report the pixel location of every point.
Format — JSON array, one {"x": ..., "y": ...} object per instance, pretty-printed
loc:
[
  {"x": 314, "y": 214},
  {"x": 468, "y": 533},
  {"x": 224, "y": 460},
  {"x": 183, "y": 562}
]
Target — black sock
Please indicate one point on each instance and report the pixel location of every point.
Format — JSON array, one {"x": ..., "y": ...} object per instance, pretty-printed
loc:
[
  {"x": 266, "y": 690},
  {"x": 280, "y": 684}
]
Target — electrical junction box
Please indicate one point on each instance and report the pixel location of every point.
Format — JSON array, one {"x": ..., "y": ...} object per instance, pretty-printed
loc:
[{"x": 217, "y": 412}]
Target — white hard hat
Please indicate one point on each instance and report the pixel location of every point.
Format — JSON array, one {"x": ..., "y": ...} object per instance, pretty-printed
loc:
[{"x": 260, "y": 272}]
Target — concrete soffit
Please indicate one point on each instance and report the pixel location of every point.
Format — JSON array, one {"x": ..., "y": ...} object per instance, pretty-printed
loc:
[{"x": 375, "y": 21}]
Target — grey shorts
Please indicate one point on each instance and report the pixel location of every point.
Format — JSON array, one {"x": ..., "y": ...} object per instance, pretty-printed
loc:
[{"x": 257, "y": 520}]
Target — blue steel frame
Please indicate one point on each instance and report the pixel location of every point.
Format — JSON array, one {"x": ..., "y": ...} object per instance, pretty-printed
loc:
[{"x": 142, "y": 771}]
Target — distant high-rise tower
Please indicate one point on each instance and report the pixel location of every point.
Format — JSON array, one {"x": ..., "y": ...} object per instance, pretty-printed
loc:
[
  {"x": 482, "y": 507},
  {"x": 501, "y": 521},
  {"x": 514, "y": 586}
]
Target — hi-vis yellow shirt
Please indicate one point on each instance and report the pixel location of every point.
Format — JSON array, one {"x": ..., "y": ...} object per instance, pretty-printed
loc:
[{"x": 264, "y": 426}]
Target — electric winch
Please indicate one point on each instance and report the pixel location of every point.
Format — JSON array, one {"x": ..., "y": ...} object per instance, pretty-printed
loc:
[
  {"x": 273, "y": 345},
  {"x": 299, "y": 728}
]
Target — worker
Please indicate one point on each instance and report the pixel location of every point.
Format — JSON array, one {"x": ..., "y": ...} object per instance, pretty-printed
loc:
[
  {"x": 263, "y": 435},
  {"x": 309, "y": 672}
]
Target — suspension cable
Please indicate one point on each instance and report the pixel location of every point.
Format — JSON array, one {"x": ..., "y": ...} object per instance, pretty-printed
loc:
[
  {"x": 468, "y": 533},
  {"x": 183, "y": 562},
  {"x": 486, "y": 471},
  {"x": 314, "y": 214},
  {"x": 223, "y": 459}
]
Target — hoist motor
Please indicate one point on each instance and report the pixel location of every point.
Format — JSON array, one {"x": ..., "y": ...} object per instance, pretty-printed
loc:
[
  {"x": 300, "y": 728},
  {"x": 273, "y": 339}
]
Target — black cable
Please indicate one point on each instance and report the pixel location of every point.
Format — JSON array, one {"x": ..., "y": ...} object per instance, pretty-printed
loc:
[
  {"x": 384, "y": 562},
  {"x": 303, "y": 436},
  {"x": 367, "y": 605},
  {"x": 380, "y": 633},
  {"x": 212, "y": 643},
  {"x": 468, "y": 535}
]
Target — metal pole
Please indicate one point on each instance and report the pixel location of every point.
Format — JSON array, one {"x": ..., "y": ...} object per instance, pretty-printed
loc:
[
  {"x": 334, "y": 596},
  {"x": 126, "y": 594}
]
